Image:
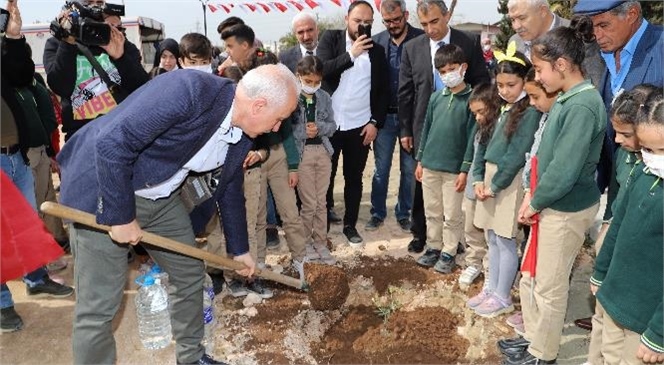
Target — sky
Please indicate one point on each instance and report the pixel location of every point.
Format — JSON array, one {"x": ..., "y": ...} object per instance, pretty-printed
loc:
[{"x": 183, "y": 16}]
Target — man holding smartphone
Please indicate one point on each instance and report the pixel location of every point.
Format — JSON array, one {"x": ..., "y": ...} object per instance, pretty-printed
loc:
[{"x": 354, "y": 70}]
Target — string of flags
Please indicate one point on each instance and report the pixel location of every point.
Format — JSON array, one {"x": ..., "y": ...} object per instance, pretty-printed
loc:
[{"x": 281, "y": 6}]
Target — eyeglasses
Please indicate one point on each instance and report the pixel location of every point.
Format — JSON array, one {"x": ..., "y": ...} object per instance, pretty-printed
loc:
[{"x": 394, "y": 21}]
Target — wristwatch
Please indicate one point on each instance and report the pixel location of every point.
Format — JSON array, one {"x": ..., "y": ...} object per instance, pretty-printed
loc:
[{"x": 374, "y": 122}]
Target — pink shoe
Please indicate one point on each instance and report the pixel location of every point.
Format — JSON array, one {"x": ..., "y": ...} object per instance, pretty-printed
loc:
[
  {"x": 520, "y": 330},
  {"x": 515, "y": 319},
  {"x": 493, "y": 307},
  {"x": 473, "y": 302}
]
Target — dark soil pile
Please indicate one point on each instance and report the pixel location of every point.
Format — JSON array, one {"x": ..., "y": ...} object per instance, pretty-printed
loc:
[
  {"x": 387, "y": 271},
  {"x": 328, "y": 286}
]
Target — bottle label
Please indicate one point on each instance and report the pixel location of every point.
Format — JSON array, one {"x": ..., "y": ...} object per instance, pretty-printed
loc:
[{"x": 208, "y": 315}]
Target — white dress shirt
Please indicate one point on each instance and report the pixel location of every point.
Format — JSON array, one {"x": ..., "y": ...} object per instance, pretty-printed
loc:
[
  {"x": 304, "y": 51},
  {"x": 351, "y": 102},
  {"x": 434, "y": 47},
  {"x": 209, "y": 157}
]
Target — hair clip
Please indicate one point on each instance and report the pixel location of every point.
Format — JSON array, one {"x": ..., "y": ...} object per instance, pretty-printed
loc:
[{"x": 509, "y": 54}]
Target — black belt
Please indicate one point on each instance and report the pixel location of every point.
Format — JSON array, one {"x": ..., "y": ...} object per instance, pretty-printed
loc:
[
  {"x": 392, "y": 110},
  {"x": 312, "y": 141},
  {"x": 9, "y": 150}
]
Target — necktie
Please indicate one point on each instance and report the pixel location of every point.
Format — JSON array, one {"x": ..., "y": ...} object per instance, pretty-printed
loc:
[
  {"x": 310, "y": 53},
  {"x": 437, "y": 82}
]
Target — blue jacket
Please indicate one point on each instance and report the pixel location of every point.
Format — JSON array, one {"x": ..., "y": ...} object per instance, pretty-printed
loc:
[
  {"x": 647, "y": 67},
  {"x": 145, "y": 141},
  {"x": 383, "y": 38}
]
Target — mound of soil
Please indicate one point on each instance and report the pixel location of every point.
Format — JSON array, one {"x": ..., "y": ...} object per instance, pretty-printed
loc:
[
  {"x": 386, "y": 271},
  {"x": 328, "y": 286}
]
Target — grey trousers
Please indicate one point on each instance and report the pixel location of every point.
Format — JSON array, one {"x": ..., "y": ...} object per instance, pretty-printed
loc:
[{"x": 100, "y": 275}]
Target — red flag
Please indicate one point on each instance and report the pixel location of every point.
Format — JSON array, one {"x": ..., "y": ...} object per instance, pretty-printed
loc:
[
  {"x": 529, "y": 263},
  {"x": 212, "y": 8},
  {"x": 377, "y": 4},
  {"x": 25, "y": 244},
  {"x": 226, "y": 7},
  {"x": 283, "y": 8},
  {"x": 250, "y": 7},
  {"x": 312, "y": 4},
  {"x": 264, "y": 6},
  {"x": 337, "y": 2},
  {"x": 296, "y": 5}
]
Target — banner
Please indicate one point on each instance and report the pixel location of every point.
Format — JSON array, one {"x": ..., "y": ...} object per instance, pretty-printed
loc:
[{"x": 282, "y": 6}]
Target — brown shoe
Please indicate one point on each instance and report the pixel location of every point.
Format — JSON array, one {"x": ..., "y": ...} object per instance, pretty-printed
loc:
[{"x": 585, "y": 323}]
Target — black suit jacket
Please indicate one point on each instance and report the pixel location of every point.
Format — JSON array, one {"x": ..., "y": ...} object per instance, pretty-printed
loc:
[
  {"x": 291, "y": 57},
  {"x": 416, "y": 78},
  {"x": 332, "y": 51},
  {"x": 383, "y": 38}
]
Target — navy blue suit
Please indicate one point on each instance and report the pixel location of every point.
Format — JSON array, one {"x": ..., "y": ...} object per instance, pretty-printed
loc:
[
  {"x": 145, "y": 141},
  {"x": 647, "y": 67}
]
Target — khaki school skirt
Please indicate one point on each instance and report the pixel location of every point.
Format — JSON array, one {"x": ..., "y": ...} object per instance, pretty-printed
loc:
[{"x": 500, "y": 212}]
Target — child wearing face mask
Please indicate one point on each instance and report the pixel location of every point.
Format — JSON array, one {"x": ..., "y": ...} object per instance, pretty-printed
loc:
[
  {"x": 444, "y": 158},
  {"x": 624, "y": 111},
  {"x": 313, "y": 125},
  {"x": 566, "y": 198},
  {"x": 628, "y": 277},
  {"x": 497, "y": 172},
  {"x": 196, "y": 52}
]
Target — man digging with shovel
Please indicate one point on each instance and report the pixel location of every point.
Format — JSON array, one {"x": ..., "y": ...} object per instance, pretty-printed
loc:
[{"x": 128, "y": 167}]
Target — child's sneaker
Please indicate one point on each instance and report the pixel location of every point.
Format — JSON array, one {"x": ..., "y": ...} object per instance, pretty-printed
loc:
[
  {"x": 520, "y": 329},
  {"x": 445, "y": 264},
  {"x": 473, "y": 302},
  {"x": 237, "y": 288},
  {"x": 515, "y": 319},
  {"x": 494, "y": 306},
  {"x": 312, "y": 254},
  {"x": 469, "y": 275},
  {"x": 324, "y": 254}
]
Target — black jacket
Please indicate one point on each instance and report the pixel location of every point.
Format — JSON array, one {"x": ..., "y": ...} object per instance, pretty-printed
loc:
[
  {"x": 416, "y": 78},
  {"x": 60, "y": 64},
  {"x": 332, "y": 51}
]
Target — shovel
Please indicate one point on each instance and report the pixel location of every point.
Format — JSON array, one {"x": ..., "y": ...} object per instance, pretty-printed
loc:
[{"x": 210, "y": 259}]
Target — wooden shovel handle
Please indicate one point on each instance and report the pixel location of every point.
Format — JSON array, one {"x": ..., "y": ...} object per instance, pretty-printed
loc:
[{"x": 213, "y": 260}]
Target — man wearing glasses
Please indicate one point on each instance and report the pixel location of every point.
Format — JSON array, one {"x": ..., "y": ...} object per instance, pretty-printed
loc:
[{"x": 398, "y": 32}]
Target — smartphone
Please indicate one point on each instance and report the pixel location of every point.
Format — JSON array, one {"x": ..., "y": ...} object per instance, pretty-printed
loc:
[
  {"x": 364, "y": 29},
  {"x": 4, "y": 19}
]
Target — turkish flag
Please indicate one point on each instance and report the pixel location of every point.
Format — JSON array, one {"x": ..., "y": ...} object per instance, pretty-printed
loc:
[
  {"x": 529, "y": 263},
  {"x": 312, "y": 4},
  {"x": 25, "y": 244},
  {"x": 283, "y": 8}
]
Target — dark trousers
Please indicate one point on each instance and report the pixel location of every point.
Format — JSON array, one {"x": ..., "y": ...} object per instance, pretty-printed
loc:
[
  {"x": 419, "y": 223},
  {"x": 355, "y": 159}
]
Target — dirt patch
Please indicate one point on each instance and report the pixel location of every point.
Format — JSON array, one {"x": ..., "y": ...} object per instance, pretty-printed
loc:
[
  {"x": 328, "y": 286},
  {"x": 388, "y": 271}
]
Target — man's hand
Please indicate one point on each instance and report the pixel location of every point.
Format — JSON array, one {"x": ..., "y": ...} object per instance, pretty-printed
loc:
[
  {"x": 649, "y": 356},
  {"x": 361, "y": 44},
  {"x": 65, "y": 22},
  {"x": 14, "y": 23},
  {"x": 460, "y": 182},
  {"x": 127, "y": 233},
  {"x": 292, "y": 179},
  {"x": 55, "y": 167},
  {"x": 248, "y": 262},
  {"x": 418, "y": 172},
  {"x": 311, "y": 129},
  {"x": 115, "y": 48},
  {"x": 407, "y": 143},
  {"x": 228, "y": 62},
  {"x": 369, "y": 132}
]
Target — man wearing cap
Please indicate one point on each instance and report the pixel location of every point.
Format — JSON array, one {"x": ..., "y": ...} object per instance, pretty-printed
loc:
[{"x": 632, "y": 50}]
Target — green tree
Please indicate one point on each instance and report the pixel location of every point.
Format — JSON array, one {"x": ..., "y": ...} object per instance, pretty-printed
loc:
[
  {"x": 289, "y": 39},
  {"x": 505, "y": 26}
]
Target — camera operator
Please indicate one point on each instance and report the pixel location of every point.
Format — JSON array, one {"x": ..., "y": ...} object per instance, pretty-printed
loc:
[{"x": 84, "y": 93}]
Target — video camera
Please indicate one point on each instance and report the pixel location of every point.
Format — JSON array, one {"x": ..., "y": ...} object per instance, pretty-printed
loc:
[{"x": 86, "y": 23}]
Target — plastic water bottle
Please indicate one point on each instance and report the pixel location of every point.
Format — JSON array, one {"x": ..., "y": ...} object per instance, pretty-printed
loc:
[
  {"x": 208, "y": 314},
  {"x": 160, "y": 277},
  {"x": 154, "y": 321}
]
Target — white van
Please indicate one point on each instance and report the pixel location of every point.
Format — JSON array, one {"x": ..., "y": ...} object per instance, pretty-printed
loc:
[{"x": 145, "y": 33}]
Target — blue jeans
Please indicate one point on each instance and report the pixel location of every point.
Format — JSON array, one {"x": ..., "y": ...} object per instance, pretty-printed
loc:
[
  {"x": 21, "y": 175},
  {"x": 383, "y": 151}
]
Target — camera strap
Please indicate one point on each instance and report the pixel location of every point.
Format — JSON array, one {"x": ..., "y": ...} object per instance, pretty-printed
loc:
[{"x": 113, "y": 87}]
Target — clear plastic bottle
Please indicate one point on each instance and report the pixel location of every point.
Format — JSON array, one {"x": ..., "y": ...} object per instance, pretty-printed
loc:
[
  {"x": 209, "y": 320},
  {"x": 154, "y": 321},
  {"x": 161, "y": 277}
]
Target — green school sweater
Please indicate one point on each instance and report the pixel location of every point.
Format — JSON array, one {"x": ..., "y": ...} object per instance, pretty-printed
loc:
[
  {"x": 447, "y": 137},
  {"x": 624, "y": 164},
  {"x": 569, "y": 152},
  {"x": 629, "y": 266},
  {"x": 285, "y": 136},
  {"x": 508, "y": 155}
]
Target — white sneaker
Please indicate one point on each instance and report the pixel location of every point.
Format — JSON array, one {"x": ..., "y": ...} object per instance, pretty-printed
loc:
[
  {"x": 469, "y": 275},
  {"x": 299, "y": 267}
]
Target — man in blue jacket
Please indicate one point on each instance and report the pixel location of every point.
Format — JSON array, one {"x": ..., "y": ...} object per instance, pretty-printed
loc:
[{"x": 127, "y": 168}]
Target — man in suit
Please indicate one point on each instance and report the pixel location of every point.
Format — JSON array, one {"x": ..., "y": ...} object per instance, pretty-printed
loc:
[
  {"x": 305, "y": 28},
  {"x": 533, "y": 18},
  {"x": 393, "y": 39},
  {"x": 354, "y": 70},
  {"x": 141, "y": 153},
  {"x": 418, "y": 79}
]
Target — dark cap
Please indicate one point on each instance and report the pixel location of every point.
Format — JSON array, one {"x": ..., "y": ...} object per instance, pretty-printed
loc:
[{"x": 594, "y": 7}]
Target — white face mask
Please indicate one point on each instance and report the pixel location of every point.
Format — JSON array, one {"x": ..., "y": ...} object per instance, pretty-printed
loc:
[
  {"x": 204, "y": 68},
  {"x": 654, "y": 162},
  {"x": 486, "y": 48},
  {"x": 453, "y": 79},
  {"x": 521, "y": 96},
  {"x": 309, "y": 90}
]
